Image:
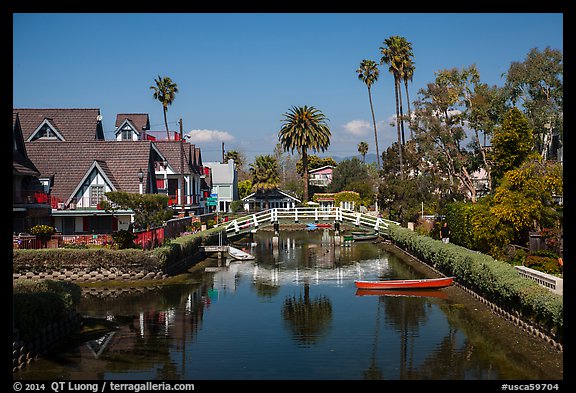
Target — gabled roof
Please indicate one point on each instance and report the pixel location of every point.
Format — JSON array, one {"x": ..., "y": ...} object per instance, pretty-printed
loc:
[
  {"x": 74, "y": 125},
  {"x": 139, "y": 120},
  {"x": 271, "y": 193},
  {"x": 123, "y": 125},
  {"x": 21, "y": 164},
  {"x": 69, "y": 162},
  {"x": 321, "y": 168},
  {"x": 171, "y": 151}
]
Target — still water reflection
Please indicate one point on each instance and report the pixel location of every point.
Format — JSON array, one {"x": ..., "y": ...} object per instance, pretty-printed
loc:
[{"x": 294, "y": 313}]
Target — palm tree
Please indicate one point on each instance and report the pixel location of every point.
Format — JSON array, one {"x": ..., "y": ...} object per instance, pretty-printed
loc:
[
  {"x": 368, "y": 73},
  {"x": 363, "y": 149},
  {"x": 264, "y": 171},
  {"x": 395, "y": 52},
  {"x": 165, "y": 91},
  {"x": 408, "y": 75},
  {"x": 304, "y": 128}
]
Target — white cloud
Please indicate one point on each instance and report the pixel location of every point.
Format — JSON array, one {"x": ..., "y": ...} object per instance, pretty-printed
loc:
[
  {"x": 207, "y": 136},
  {"x": 357, "y": 127}
]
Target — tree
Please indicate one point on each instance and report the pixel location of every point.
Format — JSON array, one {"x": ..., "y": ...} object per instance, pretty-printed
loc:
[
  {"x": 439, "y": 132},
  {"x": 239, "y": 161},
  {"x": 304, "y": 128},
  {"x": 264, "y": 173},
  {"x": 363, "y": 149},
  {"x": 395, "y": 52},
  {"x": 150, "y": 210},
  {"x": 346, "y": 172},
  {"x": 537, "y": 85},
  {"x": 475, "y": 104},
  {"x": 368, "y": 73},
  {"x": 522, "y": 203},
  {"x": 511, "y": 143},
  {"x": 165, "y": 92},
  {"x": 315, "y": 162},
  {"x": 407, "y": 77}
]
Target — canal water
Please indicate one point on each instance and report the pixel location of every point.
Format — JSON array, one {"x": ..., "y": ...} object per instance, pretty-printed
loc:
[{"x": 293, "y": 313}]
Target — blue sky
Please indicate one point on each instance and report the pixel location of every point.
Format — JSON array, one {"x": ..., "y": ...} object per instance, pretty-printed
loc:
[{"x": 238, "y": 73}]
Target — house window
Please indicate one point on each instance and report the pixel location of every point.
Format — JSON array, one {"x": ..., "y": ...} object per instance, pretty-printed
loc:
[
  {"x": 46, "y": 132},
  {"x": 126, "y": 134},
  {"x": 96, "y": 195}
]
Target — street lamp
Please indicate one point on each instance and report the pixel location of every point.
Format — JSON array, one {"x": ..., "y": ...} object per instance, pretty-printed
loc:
[{"x": 141, "y": 178}]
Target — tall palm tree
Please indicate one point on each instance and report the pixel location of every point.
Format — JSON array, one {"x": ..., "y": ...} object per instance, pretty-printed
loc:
[
  {"x": 363, "y": 149},
  {"x": 395, "y": 51},
  {"x": 165, "y": 92},
  {"x": 304, "y": 128},
  {"x": 368, "y": 73},
  {"x": 408, "y": 75}
]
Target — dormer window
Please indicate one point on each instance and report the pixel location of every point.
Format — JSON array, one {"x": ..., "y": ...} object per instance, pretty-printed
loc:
[
  {"x": 46, "y": 131},
  {"x": 126, "y": 133}
]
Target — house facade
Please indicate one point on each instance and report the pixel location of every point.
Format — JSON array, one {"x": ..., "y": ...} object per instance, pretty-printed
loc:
[
  {"x": 77, "y": 167},
  {"x": 321, "y": 177},
  {"x": 224, "y": 184},
  {"x": 270, "y": 199}
]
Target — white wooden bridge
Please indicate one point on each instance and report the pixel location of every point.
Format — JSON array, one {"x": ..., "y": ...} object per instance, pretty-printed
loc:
[{"x": 306, "y": 215}]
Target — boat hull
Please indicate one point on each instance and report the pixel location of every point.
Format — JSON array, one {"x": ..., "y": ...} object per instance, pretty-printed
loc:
[
  {"x": 407, "y": 292},
  {"x": 239, "y": 254},
  {"x": 425, "y": 283}
]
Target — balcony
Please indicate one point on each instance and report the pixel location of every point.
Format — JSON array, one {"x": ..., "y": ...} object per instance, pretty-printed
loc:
[{"x": 32, "y": 197}]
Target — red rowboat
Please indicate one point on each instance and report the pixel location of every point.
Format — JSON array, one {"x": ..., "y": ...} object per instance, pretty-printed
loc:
[
  {"x": 407, "y": 292},
  {"x": 424, "y": 283}
]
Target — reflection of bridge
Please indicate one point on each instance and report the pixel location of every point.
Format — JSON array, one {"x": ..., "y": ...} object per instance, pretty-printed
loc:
[{"x": 306, "y": 215}]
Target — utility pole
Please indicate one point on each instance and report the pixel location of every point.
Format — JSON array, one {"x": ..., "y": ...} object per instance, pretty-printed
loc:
[
  {"x": 182, "y": 194},
  {"x": 223, "y": 153}
]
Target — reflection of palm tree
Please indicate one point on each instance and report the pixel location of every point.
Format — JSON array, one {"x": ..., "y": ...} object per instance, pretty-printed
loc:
[
  {"x": 373, "y": 372},
  {"x": 307, "y": 317}
]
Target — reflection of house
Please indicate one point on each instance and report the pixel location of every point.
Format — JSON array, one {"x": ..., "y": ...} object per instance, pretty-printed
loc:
[
  {"x": 269, "y": 200},
  {"x": 321, "y": 177},
  {"x": 224, "y": 184}
]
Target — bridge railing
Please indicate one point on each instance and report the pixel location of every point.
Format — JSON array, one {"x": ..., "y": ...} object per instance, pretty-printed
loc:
[{"x": 253, "y": 221}]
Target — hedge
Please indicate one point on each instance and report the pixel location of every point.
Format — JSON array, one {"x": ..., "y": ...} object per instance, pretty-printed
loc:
[
  {"x": 496, "y": 281},
  {"x": 162, "y": 258}
]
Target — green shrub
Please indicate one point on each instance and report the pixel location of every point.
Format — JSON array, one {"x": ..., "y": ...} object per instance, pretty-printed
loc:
[
  {"x": 124, "y": 239},
  {"x": 543, "y": 264},
  {"x": 36, "y": 303}
]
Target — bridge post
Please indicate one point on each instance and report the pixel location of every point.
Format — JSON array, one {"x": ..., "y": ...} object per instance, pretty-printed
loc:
[{"x": 296, "y": 214}]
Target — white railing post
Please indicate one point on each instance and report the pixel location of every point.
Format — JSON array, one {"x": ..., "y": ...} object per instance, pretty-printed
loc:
[
  {"x": 296, "y": 215},
  {"x": 357, "y": 219},
  {"x": 236, "y": 228},
  {"x": 255, "y": 220},
  {"x": 316, "y": 215},
  {"x": 377, "y": 226}
]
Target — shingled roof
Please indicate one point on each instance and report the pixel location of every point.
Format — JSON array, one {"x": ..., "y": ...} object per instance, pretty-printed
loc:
[
  {"x": 75, "y": 124},
  {"x": 70, "y": 161},
  {"x": 139, "y": 120},
  {"x": 171, "y": 151},
  {"x": 21, "y": 164}
]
